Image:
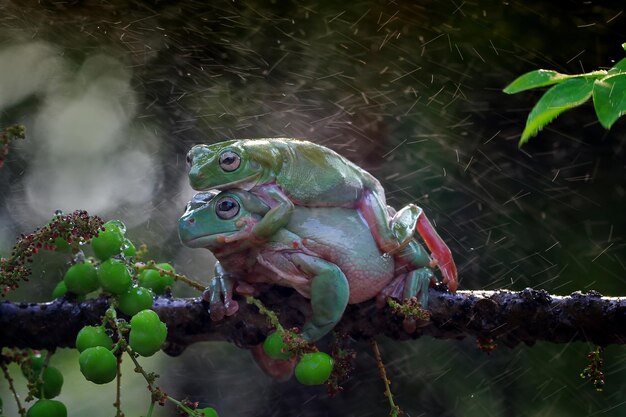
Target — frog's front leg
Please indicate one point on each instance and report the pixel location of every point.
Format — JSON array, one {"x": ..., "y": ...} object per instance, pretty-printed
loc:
[
  {"x": 278, "y": 216},
  {"x": 330, "y": 292},
  {"x": 219, "y": 294}
]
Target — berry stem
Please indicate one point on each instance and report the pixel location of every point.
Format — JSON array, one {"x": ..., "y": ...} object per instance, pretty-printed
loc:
[
  {"x": 395, "y": 409},
  {"x": 271, "y": 316},
  {"x": 150, "y": 409},
  {"x": 118, "y": 388},
  {"x": 182, "y": 406},
  {"x": 177, "y": 277}
]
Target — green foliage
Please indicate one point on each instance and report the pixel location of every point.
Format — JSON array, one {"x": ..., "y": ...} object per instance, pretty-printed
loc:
[{"x": 608, "y": 89}]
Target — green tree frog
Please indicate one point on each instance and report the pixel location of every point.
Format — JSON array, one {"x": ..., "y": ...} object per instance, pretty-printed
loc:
[
  {"x": 326, "y": 254},
  {"x": 285, "y": 173}
]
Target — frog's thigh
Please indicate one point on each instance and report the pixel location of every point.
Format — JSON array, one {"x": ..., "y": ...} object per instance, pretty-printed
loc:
[{"x": 330, "y": 292}]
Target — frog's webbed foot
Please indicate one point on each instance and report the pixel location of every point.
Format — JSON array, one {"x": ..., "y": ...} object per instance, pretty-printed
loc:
[
  {"x": 245, "y": 232},
  {"x": 219, "y": 295},
  {"x": 412, "y": 289},
  {"x": 277, "y": 217}
]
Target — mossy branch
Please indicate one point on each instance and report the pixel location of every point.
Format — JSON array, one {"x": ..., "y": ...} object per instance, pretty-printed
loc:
[{"x": 506, "y": 317}]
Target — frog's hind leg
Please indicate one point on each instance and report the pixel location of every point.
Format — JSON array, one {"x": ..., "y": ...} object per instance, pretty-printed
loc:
[
  {"x": 374, "y": 211},
  {"x": 416, "y": 285},
  {"x": 414, "y": 259},
  {"x": 330, "y": 292}
]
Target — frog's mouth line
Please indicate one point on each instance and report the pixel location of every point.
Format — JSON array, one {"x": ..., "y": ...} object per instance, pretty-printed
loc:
[
  {"x": 244, "y": 184},
  {"x": 211, "y": 240}
]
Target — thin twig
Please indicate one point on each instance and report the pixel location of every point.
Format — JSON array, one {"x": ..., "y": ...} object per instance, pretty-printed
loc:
[
  {"x": 395, "y": 409},
  {"x": 7, "y": 376},
  {"x": 118, "y": 393}
]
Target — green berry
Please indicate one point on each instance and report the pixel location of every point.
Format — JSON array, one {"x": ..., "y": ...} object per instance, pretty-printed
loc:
[
  {"x": 275, "y": 347},
  {"x": 60, "y": 290},
  {"x": 92, "y": 336},
  {"x": 47, "y": 408},
  {"x": 109, "y": 241},
  {"x": 207, "y": 412},
  {"x": 151, "y": 278},
  {"x": 52, "y": 383},
  {"x": 114, "y": 276},
  {"x": 98, "y": 365},
  {"x": 31, "y": 368},
  {"x": 314, "y": 368},
  {"x": 81, "y": 278},
  {"x": 128, "y": 249},
  {"x": 135, "y": 300},
  {"x": 147, "y": 333}
]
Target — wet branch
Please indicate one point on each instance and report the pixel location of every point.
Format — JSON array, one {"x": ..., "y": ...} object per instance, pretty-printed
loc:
[{"x": 508, "y": 317}]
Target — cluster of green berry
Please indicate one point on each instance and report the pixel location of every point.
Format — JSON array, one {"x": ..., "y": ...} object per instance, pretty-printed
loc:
[
  {"x": 313, "y": 368},
  {"x": 132, "y": 290},
  {"x": 130, "y": 287}
]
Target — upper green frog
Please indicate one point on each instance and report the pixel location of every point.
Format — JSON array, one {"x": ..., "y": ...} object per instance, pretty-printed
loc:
[
  {"x": 326, "y": 254},
  {"x": 288, "y": 172}
]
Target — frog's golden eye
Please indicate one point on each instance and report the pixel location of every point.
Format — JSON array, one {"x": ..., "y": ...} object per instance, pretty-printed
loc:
[
  {"x": 229, "y": 161},
  {"x": 227, "y": 208}
]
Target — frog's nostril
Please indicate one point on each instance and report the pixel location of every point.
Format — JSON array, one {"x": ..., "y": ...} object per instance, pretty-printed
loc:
[
  {"x": 189, "y": 159},
  {"x": 191, "y": 221}
]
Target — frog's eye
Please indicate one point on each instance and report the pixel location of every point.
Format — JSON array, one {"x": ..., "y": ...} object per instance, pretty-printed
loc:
[
  {"x": 227, "y": 208},
  {"x": 189, "y": 159},
  {"x": 229, "y": 161}
]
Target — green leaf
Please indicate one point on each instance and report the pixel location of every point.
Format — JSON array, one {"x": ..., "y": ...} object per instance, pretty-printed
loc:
[
  {"x": 543, "y": 78},
  {"x": 563, "y": 96},
  {"x": 609, "y": 98},
  {"x": 624, "y": 46},
  {"x": 619, "y": 67},
  {"x": 534, "y": 79}
]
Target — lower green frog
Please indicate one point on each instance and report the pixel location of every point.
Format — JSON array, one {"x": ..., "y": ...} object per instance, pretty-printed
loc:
[{"x": 327, "y": 254}]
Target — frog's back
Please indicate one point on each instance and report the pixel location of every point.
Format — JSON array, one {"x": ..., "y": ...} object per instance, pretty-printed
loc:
[
  {"x": 341, "y": 236},
  {"x": 315, "y": 176}
]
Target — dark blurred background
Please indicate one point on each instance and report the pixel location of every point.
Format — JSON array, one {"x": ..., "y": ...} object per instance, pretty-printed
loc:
[{"x": 113, "y": 94}]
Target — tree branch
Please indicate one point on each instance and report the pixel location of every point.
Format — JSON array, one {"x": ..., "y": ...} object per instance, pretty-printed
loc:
[{"x": 508, "y": 317}]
